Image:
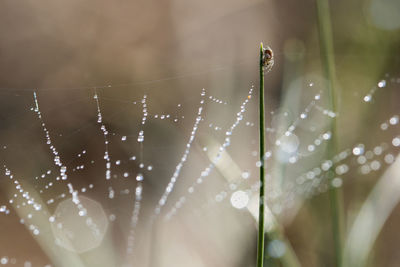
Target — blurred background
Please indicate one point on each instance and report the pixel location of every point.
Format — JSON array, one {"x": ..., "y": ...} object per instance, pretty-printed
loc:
[{"x": 113, "y": 154}]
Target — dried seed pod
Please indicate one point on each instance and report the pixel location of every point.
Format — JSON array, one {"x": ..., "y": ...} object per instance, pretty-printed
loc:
[{"x": 268, "y": 59}]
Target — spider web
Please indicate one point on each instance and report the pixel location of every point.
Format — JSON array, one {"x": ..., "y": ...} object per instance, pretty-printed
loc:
[{"x": 85, "y": 167}]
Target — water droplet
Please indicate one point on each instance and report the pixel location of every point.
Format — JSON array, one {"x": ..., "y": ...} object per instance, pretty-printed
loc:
[
  {"x": 245, "y": 175},
  {"x": 4, "y": 260},
  {"x": 327, "y": 135},
  {"x": 239, "y": 199},
  {"x": 396, "y": 141},
  {"x": 82, "y": 213},
  {"x": 289, "y": 143},
  {"x": 358, "y": 150},
  {"x": 326, "y": 165},
  {"x": 375, "y": 165},
  {"x": 276, "y": 248},
  {"x": 394, "y": 120},
  {"x": 342, "y": 169},
  {"x": 139, "y": 177},
  {"x": 337, "y": 182},
  {"x": 367, "y": 98},
  {"x": 140, "y": 137},
  {"x": 382, "y": 83},
  {"x": 365, "y": 169},
  {"x": 378, "y": 150},
  {"x": 389, "y": 158}
]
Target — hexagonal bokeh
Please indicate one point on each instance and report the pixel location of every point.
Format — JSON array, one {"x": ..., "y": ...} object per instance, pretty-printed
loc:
[{"x": 79, "y": 227}]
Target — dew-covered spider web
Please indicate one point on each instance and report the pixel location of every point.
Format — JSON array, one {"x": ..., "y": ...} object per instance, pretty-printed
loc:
[{"x": 110, "y": 175}]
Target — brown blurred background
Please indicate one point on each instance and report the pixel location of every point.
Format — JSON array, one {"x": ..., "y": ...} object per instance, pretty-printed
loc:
[{"x": 169, "y": 50}]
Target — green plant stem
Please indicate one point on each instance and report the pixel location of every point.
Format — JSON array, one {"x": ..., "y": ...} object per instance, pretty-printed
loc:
[
  {"x": 261, "y": 237},
  {"x": 327, "y": 58}
]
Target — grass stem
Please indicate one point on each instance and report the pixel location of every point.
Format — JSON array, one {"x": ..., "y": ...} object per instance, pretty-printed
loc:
[
  {"x": 327, "y": 58},
  {"x": 261, "y": 236}
]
